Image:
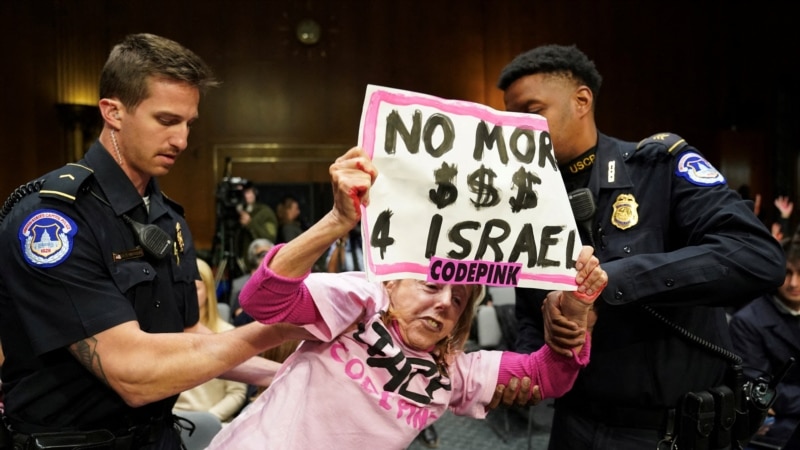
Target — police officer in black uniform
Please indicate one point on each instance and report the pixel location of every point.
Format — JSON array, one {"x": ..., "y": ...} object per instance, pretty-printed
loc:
[
  {"x": 671, "y": 235},
  {"x": 99, "y": 269}
]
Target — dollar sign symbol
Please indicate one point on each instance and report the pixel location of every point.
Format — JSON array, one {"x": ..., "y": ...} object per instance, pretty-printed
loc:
[
  {"x": 481, "y": 183},
  {"x": 446, "y": 191},
  {"x": 526, "y": 197}
]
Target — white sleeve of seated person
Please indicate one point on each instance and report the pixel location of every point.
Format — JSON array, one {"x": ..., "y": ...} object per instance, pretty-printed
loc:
[{"x": 232, "y": 402}]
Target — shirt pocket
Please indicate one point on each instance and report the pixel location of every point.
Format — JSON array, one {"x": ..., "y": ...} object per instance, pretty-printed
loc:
[
  {"x": 183, "y": 289},
  {"x": 618, "y": 244},
  {"x": 127, "y": 274},
  {"x": 183, "y": 272}
]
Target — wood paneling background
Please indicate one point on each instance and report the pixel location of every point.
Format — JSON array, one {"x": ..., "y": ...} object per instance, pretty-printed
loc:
[{"x": 715, "y": 72}]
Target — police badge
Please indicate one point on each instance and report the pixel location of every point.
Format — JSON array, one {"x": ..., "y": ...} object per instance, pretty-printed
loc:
[
  {"x": 178, "y": 245},
  {"x": 179, "y": 237},
  {"x": 626, "y": 212}
]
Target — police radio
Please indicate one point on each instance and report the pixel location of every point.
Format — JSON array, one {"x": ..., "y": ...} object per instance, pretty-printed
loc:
[
  {"x": 759, "y": 395},
  {"x": 155, "y": 241}
]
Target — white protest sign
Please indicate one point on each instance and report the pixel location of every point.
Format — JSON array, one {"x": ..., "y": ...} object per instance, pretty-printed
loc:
[{"x": 464, "y": 194}]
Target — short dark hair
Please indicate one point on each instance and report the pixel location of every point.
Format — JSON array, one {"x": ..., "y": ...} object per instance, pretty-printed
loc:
[
  {"x": 141, "y": 56},
  {"x": 564, "y": 60},
  {"x": 791, "y": 247}
]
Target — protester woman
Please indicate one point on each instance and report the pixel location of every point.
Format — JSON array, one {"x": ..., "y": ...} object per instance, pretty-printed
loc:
[{"x": 382, "y": 360}]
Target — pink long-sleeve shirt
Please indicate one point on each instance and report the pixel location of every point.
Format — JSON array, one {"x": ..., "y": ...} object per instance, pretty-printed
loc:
[{"x": 364, "y": 386}]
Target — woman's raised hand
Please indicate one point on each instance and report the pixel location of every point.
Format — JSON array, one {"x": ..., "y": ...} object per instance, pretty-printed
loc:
[{"x": 352, "y": 174}]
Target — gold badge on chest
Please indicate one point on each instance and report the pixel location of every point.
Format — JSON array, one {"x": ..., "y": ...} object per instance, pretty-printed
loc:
[
  {"x": 179, "y": 237},
  {"x": 626, "y": 212},
  {"x": 178, "y": 245}
]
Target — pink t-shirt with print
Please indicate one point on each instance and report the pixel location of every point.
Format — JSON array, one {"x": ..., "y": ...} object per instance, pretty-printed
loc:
[{"x": 361, "y": 385}]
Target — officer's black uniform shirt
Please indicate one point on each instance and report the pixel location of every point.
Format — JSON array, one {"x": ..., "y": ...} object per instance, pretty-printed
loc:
[
  {"x": 85, "y": 276},
  {"x": 671, "y": 234}
]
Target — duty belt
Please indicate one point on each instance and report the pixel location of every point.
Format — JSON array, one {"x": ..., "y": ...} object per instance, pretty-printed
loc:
[
  {"x": 130, "y": 439},
  {"x": 95, "y": 439}
]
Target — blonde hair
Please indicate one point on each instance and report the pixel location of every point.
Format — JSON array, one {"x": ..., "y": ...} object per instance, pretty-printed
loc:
[
  {"x": 446, "y": 349},
  {"x": 210, "y": 316}
]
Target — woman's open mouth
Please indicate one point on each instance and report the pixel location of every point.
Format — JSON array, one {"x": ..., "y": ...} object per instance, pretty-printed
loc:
[{"x": 432, "y": 324}]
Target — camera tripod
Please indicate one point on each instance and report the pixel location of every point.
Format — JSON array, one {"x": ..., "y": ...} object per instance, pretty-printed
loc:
[{"x": 225, "y": 257}]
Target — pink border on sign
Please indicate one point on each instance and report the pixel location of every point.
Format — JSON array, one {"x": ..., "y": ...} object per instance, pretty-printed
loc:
[
  {"x": 453, "y": 107},
  {"x": 385, "y": 269},
  {"x": 448, "y": 106}
]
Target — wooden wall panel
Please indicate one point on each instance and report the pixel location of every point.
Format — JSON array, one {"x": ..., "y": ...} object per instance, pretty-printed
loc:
[
  {"x": 32, "y": 140},
  {"x": 682, "y": 68}
]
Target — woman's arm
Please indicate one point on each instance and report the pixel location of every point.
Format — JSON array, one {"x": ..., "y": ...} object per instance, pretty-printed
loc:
[
  {"x": 552, "y": 370},
  {"x": 275, "y": 292},
  {"x": 351, "y": 176},
  {"x": 567, "y": 315}
]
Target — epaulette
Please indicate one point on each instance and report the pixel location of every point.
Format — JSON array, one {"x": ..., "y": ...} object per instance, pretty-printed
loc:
[
  {"x": 672, "y": 143},
  {"x": 175, "y": 205},
  {"x": 64, "y": 183}
]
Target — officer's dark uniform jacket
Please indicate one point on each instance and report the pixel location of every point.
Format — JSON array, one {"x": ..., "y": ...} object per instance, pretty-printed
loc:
[
  {"x": 79, "y": 272},
  {"x": 673, "y": 236}
]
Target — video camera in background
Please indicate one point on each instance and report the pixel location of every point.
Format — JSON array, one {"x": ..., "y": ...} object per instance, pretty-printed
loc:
[{"x": 230, "y": 198}]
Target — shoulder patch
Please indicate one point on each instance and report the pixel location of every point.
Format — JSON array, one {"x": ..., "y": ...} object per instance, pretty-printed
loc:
[
  {"x": 47, "y": 237},
  {"x": 64, "y": 183},
  {"x": 695, "y": 169},
  {"x": 671, "y": 142}
]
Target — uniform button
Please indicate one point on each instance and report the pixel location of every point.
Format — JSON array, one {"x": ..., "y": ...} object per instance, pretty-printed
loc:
[
  {"x": 626, "y": 249},
  {"x": 157, "y": 304},
  {"x": 618, "y": 295},
  {"x": 669, "y": 282},
  {"x": 146, "y": 271}
]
